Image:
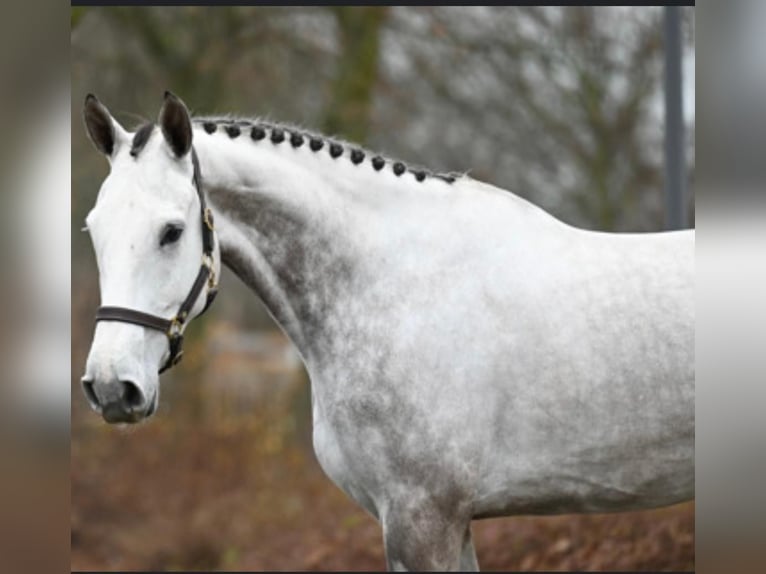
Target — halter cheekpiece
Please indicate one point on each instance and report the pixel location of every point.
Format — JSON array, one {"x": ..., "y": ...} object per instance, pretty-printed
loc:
[{"x": 173, "y": 327}]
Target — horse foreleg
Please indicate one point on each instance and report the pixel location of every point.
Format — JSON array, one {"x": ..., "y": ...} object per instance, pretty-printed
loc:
[
  {"x": 424, "y": 539},
  {"x": 468, "y": 562}
]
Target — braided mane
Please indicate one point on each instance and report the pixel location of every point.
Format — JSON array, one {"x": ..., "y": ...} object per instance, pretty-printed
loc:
[{"x": 278, "y": 133}]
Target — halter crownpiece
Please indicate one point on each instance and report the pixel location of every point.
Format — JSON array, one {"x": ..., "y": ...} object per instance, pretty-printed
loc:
[{"x": 173, "y": 327}]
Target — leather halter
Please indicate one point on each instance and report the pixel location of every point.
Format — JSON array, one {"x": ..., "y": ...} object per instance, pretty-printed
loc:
[{"x": 173, "y": 327}]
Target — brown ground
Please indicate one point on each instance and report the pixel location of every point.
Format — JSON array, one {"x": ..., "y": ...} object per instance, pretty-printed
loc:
[{"x": 176, "y": 493}]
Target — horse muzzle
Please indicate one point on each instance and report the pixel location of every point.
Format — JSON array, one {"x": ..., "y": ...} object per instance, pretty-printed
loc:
[{"x": 119, "y": 401}]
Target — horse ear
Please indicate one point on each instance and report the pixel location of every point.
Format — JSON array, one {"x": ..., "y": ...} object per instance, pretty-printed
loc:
[
  {"x": 176, "y": 124},
  {"x": 103, "y": 130}
]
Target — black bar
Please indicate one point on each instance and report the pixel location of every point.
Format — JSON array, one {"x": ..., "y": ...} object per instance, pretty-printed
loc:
[{"x": 304, "y": 3}]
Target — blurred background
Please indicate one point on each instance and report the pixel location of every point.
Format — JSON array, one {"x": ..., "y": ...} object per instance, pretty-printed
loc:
[{"x": 562, "y": 106}]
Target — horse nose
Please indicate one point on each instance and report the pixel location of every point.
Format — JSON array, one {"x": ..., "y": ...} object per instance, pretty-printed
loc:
[{"x": 118, "y": 401}]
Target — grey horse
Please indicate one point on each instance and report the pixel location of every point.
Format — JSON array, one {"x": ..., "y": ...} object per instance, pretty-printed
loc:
[{"x": 470, "y": 355}]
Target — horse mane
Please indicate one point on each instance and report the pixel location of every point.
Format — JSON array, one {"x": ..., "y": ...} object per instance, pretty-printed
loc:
[
  {"x": 142, "y": 135},
  {"x": 296, "y": 136}
]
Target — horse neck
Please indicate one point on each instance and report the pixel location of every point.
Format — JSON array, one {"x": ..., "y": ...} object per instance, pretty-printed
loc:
[{"x": 291, "y": 224}]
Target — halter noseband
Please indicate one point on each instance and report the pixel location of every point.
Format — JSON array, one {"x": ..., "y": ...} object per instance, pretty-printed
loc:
[{"x": 173, "y": 327}]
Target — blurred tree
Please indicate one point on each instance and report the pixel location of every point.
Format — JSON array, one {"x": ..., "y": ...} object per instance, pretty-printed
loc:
[
  {"x": 560, "y": 105},
  {"x": 177, "y": 59},
  {"x": 348, "y": 111},
  {"x": 77, "y": 12}
]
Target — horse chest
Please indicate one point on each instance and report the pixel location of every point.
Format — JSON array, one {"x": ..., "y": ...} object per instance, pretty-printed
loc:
[{"x": 337, "y": 465}]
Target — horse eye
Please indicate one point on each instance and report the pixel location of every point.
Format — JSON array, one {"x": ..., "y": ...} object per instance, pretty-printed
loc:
[{"x": 171, "y": 233}]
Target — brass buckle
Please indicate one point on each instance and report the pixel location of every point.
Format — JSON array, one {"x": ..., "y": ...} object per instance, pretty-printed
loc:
[
  {"x": 207, "y": 217},
  {"x": 174, "y": 330}
]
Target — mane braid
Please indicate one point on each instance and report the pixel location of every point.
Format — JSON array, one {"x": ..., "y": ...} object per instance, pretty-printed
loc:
[{"x": 295, "y": 137}]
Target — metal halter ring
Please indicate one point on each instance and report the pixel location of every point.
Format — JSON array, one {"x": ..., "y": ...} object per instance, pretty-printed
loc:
[{"x": 174, "y": 329}]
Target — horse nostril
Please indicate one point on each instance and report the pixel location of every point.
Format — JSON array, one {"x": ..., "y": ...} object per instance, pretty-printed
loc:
[
  {"x": 132, "y": 395},
  {"x": 90, "y": 394}
]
